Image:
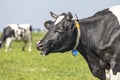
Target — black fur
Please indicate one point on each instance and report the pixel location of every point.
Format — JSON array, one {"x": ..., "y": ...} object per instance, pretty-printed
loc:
[{"x": 99, "y": 42}]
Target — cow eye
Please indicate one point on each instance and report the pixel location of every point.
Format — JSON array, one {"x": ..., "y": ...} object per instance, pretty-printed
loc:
[{"x": 60, "y": 30}]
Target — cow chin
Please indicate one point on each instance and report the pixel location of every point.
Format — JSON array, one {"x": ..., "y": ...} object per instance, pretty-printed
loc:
[
  {"x": 44, "y": 53},
  {"x": 53, "y": 49}
]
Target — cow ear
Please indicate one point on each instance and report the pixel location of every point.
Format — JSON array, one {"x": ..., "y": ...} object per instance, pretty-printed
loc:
[
  {"x": 53, "y": 15},
  {"x": 47, "y": 24},
  {"x": 70, "y": 16}
]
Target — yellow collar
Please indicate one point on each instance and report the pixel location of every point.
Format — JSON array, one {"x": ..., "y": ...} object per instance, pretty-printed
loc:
[
  {"x": 77, "y": 24},
  {"x": 74, "y": 50},
  {"x": 78, "y": 34}
]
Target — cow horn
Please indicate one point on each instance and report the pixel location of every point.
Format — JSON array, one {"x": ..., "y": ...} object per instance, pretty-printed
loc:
[
  {"x": 53, "y": 15},
  {"x": 70, "y": 16}
]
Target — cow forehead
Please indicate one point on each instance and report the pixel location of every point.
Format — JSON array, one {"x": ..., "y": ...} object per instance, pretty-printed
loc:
[{"x": 59, "y": 19}]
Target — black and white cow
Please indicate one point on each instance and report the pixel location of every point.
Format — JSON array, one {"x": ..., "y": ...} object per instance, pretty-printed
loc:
[
  {"x": 97, "y": 38},
  {"x": 21, "y": 32}
]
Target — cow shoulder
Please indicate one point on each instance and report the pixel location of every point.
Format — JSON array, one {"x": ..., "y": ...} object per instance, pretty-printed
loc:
[{"x": 12, "y": 26}]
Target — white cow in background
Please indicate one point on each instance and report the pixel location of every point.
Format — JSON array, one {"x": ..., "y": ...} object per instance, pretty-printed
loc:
[{"x": 21, "y": 32}]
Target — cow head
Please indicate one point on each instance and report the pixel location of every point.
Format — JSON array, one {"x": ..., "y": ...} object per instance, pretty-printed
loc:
[
  {"x": 6, "y": 33},
  {"x": 61, "y": 34}
]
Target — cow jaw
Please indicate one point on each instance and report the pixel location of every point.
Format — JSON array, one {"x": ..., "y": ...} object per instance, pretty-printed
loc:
[{"x": 43, "y": 53}]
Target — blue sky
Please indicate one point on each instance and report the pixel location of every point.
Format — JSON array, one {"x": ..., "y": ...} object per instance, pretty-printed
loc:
[{"x": 36, "y": 12}]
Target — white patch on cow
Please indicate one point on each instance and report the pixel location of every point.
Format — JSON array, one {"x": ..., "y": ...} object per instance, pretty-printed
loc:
[
  {"x": 59, "y": 19},
  {"x": 30, "y": 45},
  {"x": 24, "y": 26},
  {"x": 107, "y": 74},
  {"x": 8, "y": 43},
  {"x": 38, "y": 42},
  {"x": 114, "y": 77},
  {"x": 13, "y": 26},
  {"x": 116, "y": 11}
]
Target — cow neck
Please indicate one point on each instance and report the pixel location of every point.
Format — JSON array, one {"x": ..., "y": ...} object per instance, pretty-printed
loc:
[{"x": 74, "y": 51}]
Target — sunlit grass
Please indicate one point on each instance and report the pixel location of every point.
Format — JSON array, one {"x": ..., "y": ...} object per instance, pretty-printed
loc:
[{"x": 18, "y": 65}]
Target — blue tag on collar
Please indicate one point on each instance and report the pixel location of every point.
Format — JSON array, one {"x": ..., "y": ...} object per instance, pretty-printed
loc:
[{"x": 74, "y": 52}]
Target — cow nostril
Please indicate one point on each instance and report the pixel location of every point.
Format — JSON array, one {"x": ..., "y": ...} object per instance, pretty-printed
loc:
[{"x": 40, "y": 46}]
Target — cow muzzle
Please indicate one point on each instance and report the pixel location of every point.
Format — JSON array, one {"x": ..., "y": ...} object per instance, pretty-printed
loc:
[{"x": 40, "y": 47}]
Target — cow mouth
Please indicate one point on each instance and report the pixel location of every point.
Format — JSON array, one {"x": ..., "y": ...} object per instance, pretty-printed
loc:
[
  {"x": 47, "y": 49},
  {"x": 43, "y": 53},
  {"x": 47, "y": 52}
]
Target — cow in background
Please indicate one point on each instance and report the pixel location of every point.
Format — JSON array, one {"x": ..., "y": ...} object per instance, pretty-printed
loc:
[
  {"x": 97, "y": 38},
  {"x": 21, "y": 32}
]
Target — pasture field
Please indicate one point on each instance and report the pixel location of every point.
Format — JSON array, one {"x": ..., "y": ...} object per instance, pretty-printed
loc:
[{"x": 18, "y": 65}]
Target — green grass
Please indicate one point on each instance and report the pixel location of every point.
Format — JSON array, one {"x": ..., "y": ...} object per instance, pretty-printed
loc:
[{"x": 18, "y": 65}]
